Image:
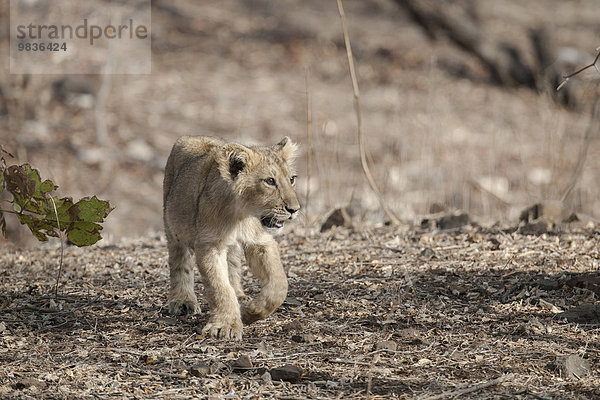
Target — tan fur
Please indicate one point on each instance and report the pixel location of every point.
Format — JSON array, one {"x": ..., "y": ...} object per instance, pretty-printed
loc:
[{"x": 220, "y": 205}]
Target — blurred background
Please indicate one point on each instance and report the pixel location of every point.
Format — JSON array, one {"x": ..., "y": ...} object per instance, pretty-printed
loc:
[{"x": 458, "y": 103}]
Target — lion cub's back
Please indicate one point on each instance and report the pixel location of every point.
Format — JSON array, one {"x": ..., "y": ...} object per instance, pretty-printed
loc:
[
  {"x": 186, "y": 168},
  {"x": 187, "y": 148}
]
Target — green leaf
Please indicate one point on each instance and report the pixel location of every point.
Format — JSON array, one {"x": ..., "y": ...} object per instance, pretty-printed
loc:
[
  {"x": 41, "y": 228},
  {"x": 26, "y": 181},
  {"x": 28, "y": 190},
  {"x": 84, "y": 233},
  {"x": 37, "y": 209},
  {"x": 94, "y": 209},
  {"x": 85, "y": 216}
]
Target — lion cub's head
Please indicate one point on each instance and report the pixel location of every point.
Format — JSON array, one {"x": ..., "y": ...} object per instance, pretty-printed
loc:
[{"x": 263, "y": 179}]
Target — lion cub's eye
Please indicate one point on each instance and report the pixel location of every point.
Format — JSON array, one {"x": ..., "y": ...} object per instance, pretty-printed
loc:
[
  {"x": 270, "y": 181},
  {"x": 293, "y": 179}
]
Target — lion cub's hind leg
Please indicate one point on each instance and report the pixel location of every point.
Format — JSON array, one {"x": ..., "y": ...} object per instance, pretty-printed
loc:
[{"x": 182, "y": 299}]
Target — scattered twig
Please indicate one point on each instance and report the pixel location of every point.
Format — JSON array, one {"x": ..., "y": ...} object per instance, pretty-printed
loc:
[
  {"x": 125, "y": 351},
  {"x": 470, "y": 389},
  {"x": 342, "y": 250},
  {"x": 580, "y": 70},
  {"x": 592, "y": 128},
  {"x": 44, "y": 310},
  {"x": 361, "y": 139}
]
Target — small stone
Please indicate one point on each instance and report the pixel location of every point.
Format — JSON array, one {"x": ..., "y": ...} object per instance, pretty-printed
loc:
[
  {"x": 167, "y": 321},
  {"x": 548, "y": 283},
  {"x": 289, "y": 373},
  {"x": 389, "y": 345},
  {"x": 52, "y": 305},
  {"x": 411, "y": 335},
  {"x": 29, "y": 382},
  {"x": 292, "y": 302},
  {"x": 426, "y": 224},
  {"x": 549, "y": 306},
  {"x": 303, "y": 338},
  {"x": 295, "y": 325},
  {"x": 423, "y": 362},
  {"x": 149, "y": 359},
  {"x": 495, "y": 244},
  {"x": 408, "y": 333},
  {"x": 331, "y": 385},
  {"x": 266, "y": 377},
  {"x": 428, "y": 252},
  {"x": 582, "y": 314},
  {"x": 243, "y": 363},
  {"x": 437, "y": 208},
  {"x": 339, "y": 217},
  {"x": 548, "y": 211},
  {"x": 200, "y": 370},
  {"x": 572, "y": 367},
  {"x": 536, "y": 228},
  {"x": 453, "y": 221}
]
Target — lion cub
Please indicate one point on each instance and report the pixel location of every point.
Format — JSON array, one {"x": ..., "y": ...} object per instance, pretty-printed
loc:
[{"x": 221, "y": 200}]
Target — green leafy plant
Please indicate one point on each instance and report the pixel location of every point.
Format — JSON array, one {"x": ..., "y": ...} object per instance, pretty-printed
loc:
[{"x": 44, "y": 214}]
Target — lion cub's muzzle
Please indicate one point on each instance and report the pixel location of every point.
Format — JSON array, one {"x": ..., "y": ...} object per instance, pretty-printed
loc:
[
  {"x": 272, "y": 222},
  {"x": 276, "y": 222}
]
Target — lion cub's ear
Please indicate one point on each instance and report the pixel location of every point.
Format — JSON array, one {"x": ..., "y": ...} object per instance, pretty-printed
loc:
[
  {"x": 233, "y": 159},
  {"x": 287, "y": 149}
]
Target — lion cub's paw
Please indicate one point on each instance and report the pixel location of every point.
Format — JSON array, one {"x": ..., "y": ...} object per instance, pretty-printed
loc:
[
  {"x": 184, "y": 307},
  {"x": 224, "y": 328}
]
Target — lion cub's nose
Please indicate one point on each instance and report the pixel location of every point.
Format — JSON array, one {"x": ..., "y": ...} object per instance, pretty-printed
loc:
[{"x": 291, "y": 210}]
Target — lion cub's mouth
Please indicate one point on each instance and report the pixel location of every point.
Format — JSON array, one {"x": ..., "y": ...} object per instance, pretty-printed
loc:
[{"x": 271, "y": 222}]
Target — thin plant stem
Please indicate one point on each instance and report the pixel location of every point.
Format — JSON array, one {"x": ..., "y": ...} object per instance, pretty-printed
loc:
[
  {"x": 592, "y": 127},
  {"x": 309, "y": 132},
  {"x": 361, "y": 140},
  {"x": 62, "y": 249}
]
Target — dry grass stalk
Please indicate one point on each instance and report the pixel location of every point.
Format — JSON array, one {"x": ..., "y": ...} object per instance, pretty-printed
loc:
[
  {"x": 592, "y": 127},
  {"x": 309, "y": 131},
  {"x": 62, "y": 251},
  {"x": 361, "y": 139}
]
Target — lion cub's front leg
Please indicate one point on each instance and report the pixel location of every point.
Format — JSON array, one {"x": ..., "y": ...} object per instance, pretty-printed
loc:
[
  {"x": 264, "y": 262},
  {"x": 225, "y": 320}
]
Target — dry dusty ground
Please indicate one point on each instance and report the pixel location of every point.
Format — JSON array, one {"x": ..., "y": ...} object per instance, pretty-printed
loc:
[{"x": 380, "y": 313}]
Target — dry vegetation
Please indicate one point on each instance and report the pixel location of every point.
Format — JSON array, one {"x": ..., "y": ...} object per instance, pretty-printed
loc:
[
  {"x": 407, "y": 311},
  {"x": 438, "y": 129},
  {"x": 385, "y": 313}
]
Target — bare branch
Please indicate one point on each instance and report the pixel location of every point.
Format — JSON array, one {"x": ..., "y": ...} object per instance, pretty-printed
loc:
[{"x": 580, "y": 70}]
